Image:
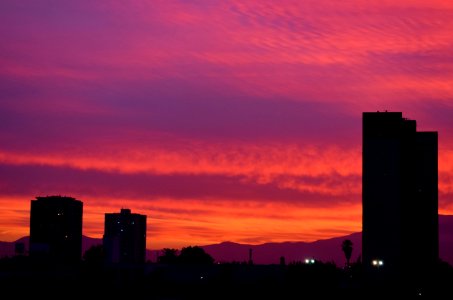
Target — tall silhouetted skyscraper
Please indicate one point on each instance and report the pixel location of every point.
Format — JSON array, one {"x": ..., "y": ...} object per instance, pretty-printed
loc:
[
  {"x": 125, "y": 237},
  {"x": 56, "y": 228},
  {"x": 400, "y": 219}
]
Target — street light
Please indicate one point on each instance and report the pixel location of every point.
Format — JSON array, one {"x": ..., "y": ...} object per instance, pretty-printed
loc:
[
  {"x": 377, "y": 263},
  {"x": 309, "y": 261}
]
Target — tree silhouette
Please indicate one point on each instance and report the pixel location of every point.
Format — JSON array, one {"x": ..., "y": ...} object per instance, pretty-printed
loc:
[
  {"x": 94, "y": 256},
  {"x": 169, "y": 256},
  {"x": 346, "y": 246},
  {"x": 195, "y": 255}
]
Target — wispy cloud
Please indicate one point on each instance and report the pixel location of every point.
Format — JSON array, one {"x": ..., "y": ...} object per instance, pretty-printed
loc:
[{"x": 226, "y": 102}]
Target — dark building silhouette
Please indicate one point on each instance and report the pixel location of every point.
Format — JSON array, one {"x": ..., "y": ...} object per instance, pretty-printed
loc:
[
  {"x": 125, "y": 237},
  {"x": 400, "y": 195},
  {"x": 56, "y": 228}
]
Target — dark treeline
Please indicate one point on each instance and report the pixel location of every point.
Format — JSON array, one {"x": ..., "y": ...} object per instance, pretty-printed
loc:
[{"x": 196, "y": 275}]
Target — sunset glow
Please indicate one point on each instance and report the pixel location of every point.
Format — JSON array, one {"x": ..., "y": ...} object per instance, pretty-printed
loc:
[{"x": 220, "y": 120}]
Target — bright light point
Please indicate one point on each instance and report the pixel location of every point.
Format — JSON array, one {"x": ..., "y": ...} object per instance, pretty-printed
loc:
[
  {"x": 377, "y": 263},
  {"x": 312, "y": 261},
  {"x": 307, "y": 261},
  {"x": 201, "y": 277}
]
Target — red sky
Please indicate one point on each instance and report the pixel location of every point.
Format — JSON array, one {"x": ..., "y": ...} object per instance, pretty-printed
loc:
[{"x": 219, "y": 120}]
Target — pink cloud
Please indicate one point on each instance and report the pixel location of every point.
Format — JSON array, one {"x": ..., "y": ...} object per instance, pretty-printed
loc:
[{"x": 250, "y": 103}]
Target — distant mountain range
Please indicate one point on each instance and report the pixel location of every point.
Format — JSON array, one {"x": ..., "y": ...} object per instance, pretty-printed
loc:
[
  {"x": 7, "y": 248},
  {"x": 270, "y": 253}
]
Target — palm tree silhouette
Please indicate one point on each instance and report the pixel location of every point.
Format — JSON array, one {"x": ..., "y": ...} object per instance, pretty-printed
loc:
[{"x": 346, "y": 246}]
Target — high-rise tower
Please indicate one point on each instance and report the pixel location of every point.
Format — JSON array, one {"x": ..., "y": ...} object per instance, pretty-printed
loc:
[
  {"x": 56, "y": 228},
  {"x": 399, "y": 197}
]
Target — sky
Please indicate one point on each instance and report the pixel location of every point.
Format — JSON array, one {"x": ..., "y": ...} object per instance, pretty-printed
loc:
[{"x": 220, "y": 120}]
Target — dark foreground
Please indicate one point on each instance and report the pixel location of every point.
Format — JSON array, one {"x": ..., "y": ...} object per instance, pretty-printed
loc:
[{"x": 19, "y": 277}]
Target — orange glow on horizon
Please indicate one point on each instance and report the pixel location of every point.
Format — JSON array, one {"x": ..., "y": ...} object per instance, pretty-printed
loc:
[
  {"x": 176, "y": 224},
  {"x": 190, "y": 222}
]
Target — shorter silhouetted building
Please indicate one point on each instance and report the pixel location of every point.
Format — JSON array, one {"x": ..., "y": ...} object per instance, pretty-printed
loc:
[
  {"x": 56, "y": 228},
  {"x": 125, "y": 237}
]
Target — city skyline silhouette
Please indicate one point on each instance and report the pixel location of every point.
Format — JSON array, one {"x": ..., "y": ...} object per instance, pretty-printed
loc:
[
  {"x": 235, "y": 127},
  {"x": 400, "y": 182},
  {"x": 400, "y": 169}
]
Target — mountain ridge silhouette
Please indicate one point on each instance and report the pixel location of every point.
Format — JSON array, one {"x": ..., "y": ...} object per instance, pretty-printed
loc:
[{"x": 327, "y": 250}]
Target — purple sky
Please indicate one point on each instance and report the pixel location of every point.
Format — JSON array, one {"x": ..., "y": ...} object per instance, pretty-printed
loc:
[{"x": 220, "y": 120}]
